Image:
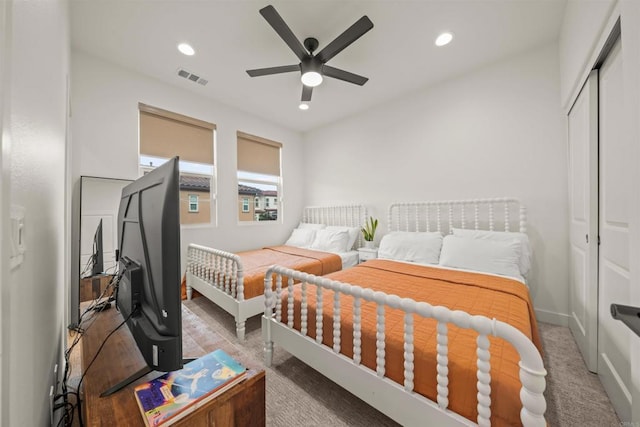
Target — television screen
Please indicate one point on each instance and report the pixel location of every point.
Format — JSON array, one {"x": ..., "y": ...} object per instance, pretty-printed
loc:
[
  {"x": 98, "y": 255},
  {"x": 148, "y": 292}
]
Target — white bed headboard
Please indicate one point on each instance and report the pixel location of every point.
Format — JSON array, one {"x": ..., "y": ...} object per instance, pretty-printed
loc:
[
  {"x": 344, "y": 215},
  {"x": 497, "y": 214}
]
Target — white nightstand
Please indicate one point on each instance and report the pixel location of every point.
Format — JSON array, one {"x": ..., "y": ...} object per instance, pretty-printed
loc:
[{"x": 367, "y": 253}]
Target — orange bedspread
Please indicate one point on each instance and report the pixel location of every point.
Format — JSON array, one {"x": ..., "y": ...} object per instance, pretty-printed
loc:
[
  {"x": 257, "y": 262},
  {"x": 505, "y": 299}
]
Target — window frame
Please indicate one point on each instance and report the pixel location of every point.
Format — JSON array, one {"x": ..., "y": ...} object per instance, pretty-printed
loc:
[
  {"x": 262, "y": 180},
  {"x": 190, "y": 203},
  {"x": 212, "y": 220}
]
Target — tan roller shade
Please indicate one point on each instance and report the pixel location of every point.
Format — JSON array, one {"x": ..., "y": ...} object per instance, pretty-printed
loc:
[
  {"x": 166, "y": 134},
  {"x": 258, "y": 155}
]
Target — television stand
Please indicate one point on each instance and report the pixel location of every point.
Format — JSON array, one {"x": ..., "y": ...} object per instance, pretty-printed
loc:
[
  {"x": 243, "y": 405},
  {"x": 92, "y": 287},
  {"x": 133, "y": 378}
]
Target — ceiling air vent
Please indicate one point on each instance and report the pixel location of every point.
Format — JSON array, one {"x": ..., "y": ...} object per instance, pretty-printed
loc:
[{"x": 190, "y": 76}]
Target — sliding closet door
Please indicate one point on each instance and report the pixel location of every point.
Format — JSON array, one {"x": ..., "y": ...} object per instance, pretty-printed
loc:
[
  {"x": 583, "y": 218},
  {"x": 615, "y": 190}
]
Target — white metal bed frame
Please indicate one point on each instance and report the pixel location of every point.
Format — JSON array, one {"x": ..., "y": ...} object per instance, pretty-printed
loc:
[
  {"x": 219, "y": 275},
  {"x": 444, "y": 215},
  {"x": 397, "y": 401}
]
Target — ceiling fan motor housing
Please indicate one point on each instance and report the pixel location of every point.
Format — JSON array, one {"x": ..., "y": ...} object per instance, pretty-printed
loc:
[{"x": 311, "y": 64}]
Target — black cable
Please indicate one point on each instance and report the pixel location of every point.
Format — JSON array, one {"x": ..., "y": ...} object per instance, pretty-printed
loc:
[
  {"x": 95, "y": 306},
  {"x": 79, "y": 404},
  {"x": 101, "y": 346},
  {"x": 86, "y": 266}
]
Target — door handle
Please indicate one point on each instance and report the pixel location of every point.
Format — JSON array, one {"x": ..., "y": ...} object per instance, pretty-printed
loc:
[
  {"x": 630, "y": 316},
  {"x": 586, "y": 236}
]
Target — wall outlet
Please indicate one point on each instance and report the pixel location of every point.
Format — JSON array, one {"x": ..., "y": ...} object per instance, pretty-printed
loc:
[
  {"x": 52, "y": 395},
  {"x": 55, "y": 378},
  {"x": 53, "y": 390}
]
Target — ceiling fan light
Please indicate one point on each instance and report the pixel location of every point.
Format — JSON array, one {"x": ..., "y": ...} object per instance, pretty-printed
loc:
[
  {"x": 303, "y": 106},
  {"x": 311, "y": 78}
]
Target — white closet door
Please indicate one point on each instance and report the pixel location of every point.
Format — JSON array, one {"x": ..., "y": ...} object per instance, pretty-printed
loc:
[
  {"x": 615, "y": 185},
  {"x": 583, "y": 218}
]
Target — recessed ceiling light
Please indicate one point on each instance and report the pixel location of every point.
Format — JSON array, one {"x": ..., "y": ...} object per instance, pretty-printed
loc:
[
  {"x": 186, "y": 49},
  {"x": 303, "y": 106},
  {"x": 443, "y": 39}
]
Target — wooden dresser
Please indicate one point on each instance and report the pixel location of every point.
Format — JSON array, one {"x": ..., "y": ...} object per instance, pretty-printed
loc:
[
  {"x": 242, "y": 405},
  {"x": 92, "y": 287}
]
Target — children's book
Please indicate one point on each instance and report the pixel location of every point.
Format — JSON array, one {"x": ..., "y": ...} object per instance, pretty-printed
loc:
[{"x": 173, "y": 395}]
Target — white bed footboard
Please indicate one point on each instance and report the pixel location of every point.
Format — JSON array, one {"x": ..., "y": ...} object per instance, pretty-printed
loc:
[
  {"x": 399, "y": 402},
  {"x": 219, "y": 268},
  {"x": 219, "y": 276}
]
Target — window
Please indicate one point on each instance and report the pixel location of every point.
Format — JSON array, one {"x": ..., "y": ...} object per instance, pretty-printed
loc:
[
  {"x": 259, "y": 176},
  {"x": 193, "y": 203},
  {"x": 245, "y": 204},
  {"x": 163, "y": 135}
]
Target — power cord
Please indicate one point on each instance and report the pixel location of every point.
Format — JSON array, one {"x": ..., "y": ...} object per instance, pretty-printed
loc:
[{"x": 61, "y": 400}]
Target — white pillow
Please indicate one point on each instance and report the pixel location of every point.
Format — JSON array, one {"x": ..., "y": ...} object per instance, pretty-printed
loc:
[
  {"x": 301, "y": 237},
  {"x": 330, "y": 241},
  {"x": 311, "y": 226},
  {"x": 413, "y": 246},
  {"x": 524, "y": 264},
  {"x": 489, "y": 256},
  {"x": 353, "y": 233}
]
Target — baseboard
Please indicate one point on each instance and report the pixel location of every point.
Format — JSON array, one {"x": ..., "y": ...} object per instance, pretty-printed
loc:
[{"x": 545, "y": 316}]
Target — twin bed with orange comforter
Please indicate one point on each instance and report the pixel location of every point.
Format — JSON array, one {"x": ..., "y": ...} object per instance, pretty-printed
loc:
[
  {"x": 404, "y": 336},
  {"x": 257, "y": 262},
  {"x": 235, "y": 281}
]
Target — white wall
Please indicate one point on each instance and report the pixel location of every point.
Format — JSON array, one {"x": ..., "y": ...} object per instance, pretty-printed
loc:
[
  {"x": 583, "y": 23},
  {"x": 498, "y": 131},
  {"x": 585, "y": 28},
  {"x": 34, "y": 147},
  {"x": 105, "y": 101}
]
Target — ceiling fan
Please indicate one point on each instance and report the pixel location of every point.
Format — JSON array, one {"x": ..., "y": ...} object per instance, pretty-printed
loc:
[{"x": 313, "y": 66}]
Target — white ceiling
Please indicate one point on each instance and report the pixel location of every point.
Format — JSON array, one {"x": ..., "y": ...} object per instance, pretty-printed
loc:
[{"x": 398, "y": 55}]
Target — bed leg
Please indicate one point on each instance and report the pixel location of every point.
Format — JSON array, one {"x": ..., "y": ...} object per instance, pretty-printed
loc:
[
  {"x": 240, "y": 329},
  {"x": 268, "y": 353},
  {"x": 268, "y": 342},
  {"x": 189, "y": 292}
]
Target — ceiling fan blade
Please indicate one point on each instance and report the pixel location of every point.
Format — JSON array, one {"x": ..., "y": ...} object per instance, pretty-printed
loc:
[
  {"x": 275, "y": 20},
  {"x": 273, "y": 70},
  {"x": 306, "y": 93},
  {"x": 337, "y": 73},
  {"x": 351, "y": 34}
]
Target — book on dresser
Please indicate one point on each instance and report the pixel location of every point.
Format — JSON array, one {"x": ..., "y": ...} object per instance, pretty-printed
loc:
[{"x": 172, "y": 396}]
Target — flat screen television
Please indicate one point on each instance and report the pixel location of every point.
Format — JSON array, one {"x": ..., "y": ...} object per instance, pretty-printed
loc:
[
  {"x": 97, "y": 256},
  {"x": 148, "y": 292}
]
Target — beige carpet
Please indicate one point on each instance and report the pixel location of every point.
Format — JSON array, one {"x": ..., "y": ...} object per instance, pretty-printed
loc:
[{"x": 299, "y": 396}]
